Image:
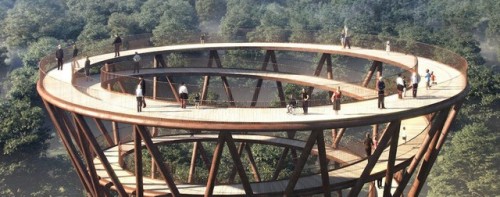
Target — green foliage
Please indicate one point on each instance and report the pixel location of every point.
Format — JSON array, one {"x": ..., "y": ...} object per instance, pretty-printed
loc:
[
  {"x": 176, "y": 25},
  {"x": 469, "y": 166},
  {"x": 39, "y": 49},
  {"x": 210, "y": 10},
  {"x": 176, "y": 60},
  {"x": 25, "y": 24},
  {"x": 21, "y": 85}
]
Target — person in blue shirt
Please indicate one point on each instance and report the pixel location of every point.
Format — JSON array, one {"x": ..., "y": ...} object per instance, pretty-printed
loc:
[{"x": 381, "y": 88}]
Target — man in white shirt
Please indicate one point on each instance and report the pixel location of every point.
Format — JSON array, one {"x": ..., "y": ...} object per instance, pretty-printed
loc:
[
  {"x": 400, "y": 86},
  {"x": 139, "y": 96},
  {"x": 183, "y": 94}
]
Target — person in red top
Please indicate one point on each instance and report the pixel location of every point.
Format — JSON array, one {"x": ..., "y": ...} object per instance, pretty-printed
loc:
[{"x": 336, "y": 96}]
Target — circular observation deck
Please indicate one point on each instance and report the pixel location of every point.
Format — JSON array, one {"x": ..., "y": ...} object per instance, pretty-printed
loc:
[{"x": 62, "y": 91}]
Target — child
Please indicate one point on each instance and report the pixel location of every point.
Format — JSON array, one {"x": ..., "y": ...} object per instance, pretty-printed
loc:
[
  {"x": 433, "y": 78},
  {"x": 291, "y": 105}
]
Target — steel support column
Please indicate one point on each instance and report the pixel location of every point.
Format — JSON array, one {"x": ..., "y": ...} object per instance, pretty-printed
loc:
[
  {"x": 139, "y": 191},
  {"x": 390, "y": 163},
  {"x": 103, "y": 131},
  {"x": 432, "y": 132},
  {"x": 172, "y": 88},
  {"x": 215, "y": 166},
  {"x": 372, "y": 160},
  {"x": 155, "y": 153},
  {"x": 237, "y": 162},
  {"x": 192, "y": 167},
  {"x": 323, "y": 163},
  {"x": 97, "y": 150},
  {"x": 432, "y": 153},
  {"x": 256, "y": 93},
  {"x": 299, "y": 166}
]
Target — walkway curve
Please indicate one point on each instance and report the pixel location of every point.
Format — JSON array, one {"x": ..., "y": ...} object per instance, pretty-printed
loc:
[{"x": 86, "y": 99}]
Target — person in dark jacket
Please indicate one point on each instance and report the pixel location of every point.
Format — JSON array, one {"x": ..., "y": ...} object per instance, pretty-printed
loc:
[
  {"x": 381, "y": 88},
  {"x": 117, "y": 43},
  {"x": 59, "y": 57},
  {"x": 143, "y": 87}
]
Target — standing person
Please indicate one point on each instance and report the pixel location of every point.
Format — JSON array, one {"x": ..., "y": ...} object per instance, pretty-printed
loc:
[
  {"x": 87, "y": 69},
  {"x": 405, "y": 85},
  {"x": 292, "y": 103},
  {"x": 137, "y": 60},
  {"x": 427, "y": 79},
  {"x": 59, "y": 57},
  {"x": 75, "y": 54},
  {"x": 347, "y": 38},
  {"x": 305, "y": 101},
  {"x": 336, "y": 97},
  {"x": 388, "y": 47},
  {"x": 142, "y": 82},
  {"x": 197, "y": 101},
  {"x": 342, "y": 38},
  {"x": 117, "y": 43},
  {"x": 183, "y": 93},
  {"x": 381, "y": 93},
  {"x": 400, "y": 84},
  {"x": 414, "y": 81},
  {"x": 368, "y": 144},
  {"x": 433, "y": 78},
  {"x": 139, "y": 97},
  {"x": 202, "y": 38}
]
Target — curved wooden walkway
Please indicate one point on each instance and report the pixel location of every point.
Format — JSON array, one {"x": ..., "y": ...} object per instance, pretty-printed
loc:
[{"x": 89, "y": 99}]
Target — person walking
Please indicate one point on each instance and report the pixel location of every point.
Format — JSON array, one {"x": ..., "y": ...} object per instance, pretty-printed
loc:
[
  {"x": 74, "y": 63},
  {"x": 183, "y": 93},
  {"x": 139, "y": 97},
  {"x": 305, "y": 101},
  {"x": 381, "y": 93},
  {"x": 137, "y": 60},
  {"x": 347, "y": 41},
  {"x": 336, "y": 97},
  {"x": 433, "y": 78},
  {"x": 427, "y": 79},
  {"x": 86, "y": 68},
  {"x": 415, "y": 79},
  {"x": 388, "y": 47},
  {"x": 117, "y": 43},
  {"x": 400, "y": 86},
  {"x": 142, "y": 82},
  {"x": 368, "y": 144},
  {"x": 202, "y": 38},
  {"x": 405, "y": 86},
  {"x": 59, "y": 57}
]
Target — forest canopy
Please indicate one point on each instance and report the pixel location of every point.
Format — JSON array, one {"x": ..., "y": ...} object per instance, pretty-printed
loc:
[{"x": 31, "y": 29}]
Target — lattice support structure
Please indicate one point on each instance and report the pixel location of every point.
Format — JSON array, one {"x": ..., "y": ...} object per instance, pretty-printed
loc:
[{"x": 97, "y": 141}]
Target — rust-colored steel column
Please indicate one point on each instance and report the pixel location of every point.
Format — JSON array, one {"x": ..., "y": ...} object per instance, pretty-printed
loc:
[
  {"x": 232, "y": 174},
  {"x": 139, "y": 191},
  {"x": 299, "y": 166},
  {"x": 192, "y": 167},
  {"x": 370, "y": 74},
  {"x": 204, "y": 156},
  {"x": 389, "y": 173},
  {"x": 337, "y": 136},
  {"x": 317, "y": 72},
  {"x": 172, "y": 88},
  {"x": 323, "y": 163},
  {"x": 155, "y": 153},
  {"x": 432, "y": 153},
  {"x": 237, "y": 162},
  {"x": 227, "y": 89},
  {"x": 432, "y": 131},
  {"x": 89, "y": 160},
  {"x": 70, "y": 147},
  {"x": 97, "y": 150},
  {"x": 253, "y": 165},
  {"x": 372, "y": 160},
  {"x": 121, "y": 86},
  {"x": 116, "y": 132},
  {"x": 155, "y": 87},
  {"x": 279, "y": 165},
  {"x": 215, "y": 166},
  {"x": 329, "y": 67},
  {"x": 259, "y": 81},
  {"x": 279, "y": 86},
  {"x": 103, "y": 131},
  {"x": 204, "y": 90}
]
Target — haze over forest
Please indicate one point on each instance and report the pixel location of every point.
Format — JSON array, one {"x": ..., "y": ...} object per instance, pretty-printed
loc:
[{"x": 31, "y": 29}]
